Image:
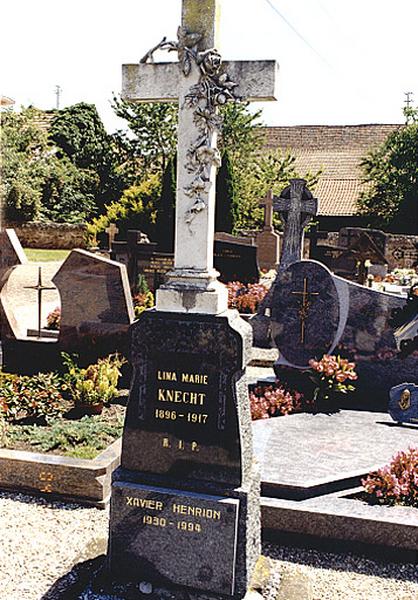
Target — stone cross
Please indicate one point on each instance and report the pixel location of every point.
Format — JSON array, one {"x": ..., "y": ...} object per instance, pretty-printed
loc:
[
  {"x": 267, "y": 204},
  {"x": 296, "y": 207},
  {"x": 192, "y": 286},
  {"x": 112, "y": 232}
]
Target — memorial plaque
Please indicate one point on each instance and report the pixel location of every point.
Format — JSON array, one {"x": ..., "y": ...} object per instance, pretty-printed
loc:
[
  {"x": 403, "y": 403},
  {"x": 305, "y": 313},
  {"x": 170, "y": 537},
  {"x": 236, "y": 262},
  {"x": 181, "y": 416}
]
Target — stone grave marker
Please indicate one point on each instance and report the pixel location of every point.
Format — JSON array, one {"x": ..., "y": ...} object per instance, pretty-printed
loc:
[
  {"x": 96, "y": 305},
  {"x": 112, "y": 232},
  {"x": 296, "y": 206},
  {"x": 235, "y": 260},
  {"x": 11, "y": 253},
  {"x": 268, "y": 241},
  {"x": 185, "y": 500},
  {"x": 315, "y": 312},
  {"x": 403, "y": 403}
]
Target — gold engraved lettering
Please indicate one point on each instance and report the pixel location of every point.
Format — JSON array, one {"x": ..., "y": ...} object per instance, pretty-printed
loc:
[
  {"x": 129, "y": 500},
  {"x": 167, "y": 375},
  {"x": 166, "y": 443},
  {"x": 195, "y": 447},
  {"x": 46, "y": 477},
  {"x": 194, "y": 378},
  {"x": 180, "y": 445},
  {"x": 179, "y": 396},
  {"x": 196, "y": 511}
]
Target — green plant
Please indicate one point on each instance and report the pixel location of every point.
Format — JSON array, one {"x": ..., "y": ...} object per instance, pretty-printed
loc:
[
  {"x": 144, "y": 298},
  {"x": 38, "y": 396},
  {"x": 397, "y": 482},
  {"x": 82, "y": 439},
  {"x": 134, "y": 210},
  {"x": 96, "y": 384},
  {"x": 330, "y": 375},
  {"x": 390, "y": 196}
]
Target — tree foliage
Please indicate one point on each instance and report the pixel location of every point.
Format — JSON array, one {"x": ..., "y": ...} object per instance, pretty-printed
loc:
[
  {"x": 25, "y": 157},
  {"x": 390, "y": 198},
  {"x": 153, "y": 128},
  {"x": 80, "y": 136}
]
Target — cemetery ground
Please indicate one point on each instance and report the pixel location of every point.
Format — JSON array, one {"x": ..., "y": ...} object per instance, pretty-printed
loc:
[{"x": 51, "y": 547}]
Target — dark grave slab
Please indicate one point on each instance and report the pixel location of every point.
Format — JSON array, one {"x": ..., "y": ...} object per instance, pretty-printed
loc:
[
  {"x": 187, "y": 441},
  {"x": 182, "y": 413},
  {"x": 149, "y": 522},
  {"x": 236, "y": 262},
  {"x": 403, "y": 403},
  {"x": 306, "y": 313}
]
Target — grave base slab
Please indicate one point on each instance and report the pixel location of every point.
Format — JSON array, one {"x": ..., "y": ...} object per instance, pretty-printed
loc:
[{"x": 128, "y": 545}]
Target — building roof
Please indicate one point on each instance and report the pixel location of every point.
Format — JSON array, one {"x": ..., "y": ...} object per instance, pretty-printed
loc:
[{"x": 335, "y": 149}]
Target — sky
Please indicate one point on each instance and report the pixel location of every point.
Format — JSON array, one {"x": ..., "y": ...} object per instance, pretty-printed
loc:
[{"x": 341, "y": 61}]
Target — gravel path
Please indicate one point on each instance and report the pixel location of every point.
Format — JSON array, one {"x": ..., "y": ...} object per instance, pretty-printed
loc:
[{"x": 41, "y": 541}]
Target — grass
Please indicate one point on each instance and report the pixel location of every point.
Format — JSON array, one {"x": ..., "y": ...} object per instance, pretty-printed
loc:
[{"x": 45, "y": 255}]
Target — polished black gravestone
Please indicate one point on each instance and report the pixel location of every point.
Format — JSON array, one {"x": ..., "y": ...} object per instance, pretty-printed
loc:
[
  {"x": 306, "y": 313},
  {"x": 315, "y": 312},
  {"x": 185, "y": 501}
]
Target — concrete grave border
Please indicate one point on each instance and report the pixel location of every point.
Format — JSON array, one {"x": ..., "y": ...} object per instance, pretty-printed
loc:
[{"x": 86, "y": 481}]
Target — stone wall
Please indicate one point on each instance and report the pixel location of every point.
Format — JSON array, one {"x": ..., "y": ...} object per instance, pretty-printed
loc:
[{"x": 50, "y": 235}]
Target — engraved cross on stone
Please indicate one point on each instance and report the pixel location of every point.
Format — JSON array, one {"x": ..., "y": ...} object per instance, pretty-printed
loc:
[
  {"x": 296, "y": 207},
  {"x": 193, "y": 286},
  {"x": 267, "y": 204}
]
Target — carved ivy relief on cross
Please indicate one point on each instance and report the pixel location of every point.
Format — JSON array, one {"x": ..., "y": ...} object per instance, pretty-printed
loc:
[{"x": 213, "y": 89}]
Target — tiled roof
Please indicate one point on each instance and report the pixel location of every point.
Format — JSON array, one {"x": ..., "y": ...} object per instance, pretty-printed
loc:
[{"x": 336, "y": 150}]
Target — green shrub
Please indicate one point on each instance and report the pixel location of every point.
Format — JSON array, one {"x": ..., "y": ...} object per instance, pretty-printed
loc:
[
  {"x": 95, "y": 385},
  {"x": 37, "y": 397},
  {"x": 134, "y": 210}
]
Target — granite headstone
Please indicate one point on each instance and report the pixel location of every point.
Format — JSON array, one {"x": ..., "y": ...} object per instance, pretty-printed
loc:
[
  {"x": 96, "y": 305},
  {"x": 350, "y": 319}
]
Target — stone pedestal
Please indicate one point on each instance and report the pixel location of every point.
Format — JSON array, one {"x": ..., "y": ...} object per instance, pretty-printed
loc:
[{"x": 185, "y": 501}]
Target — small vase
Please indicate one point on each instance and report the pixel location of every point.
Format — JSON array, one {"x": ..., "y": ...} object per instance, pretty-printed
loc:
[{"x": 91, "y": 409}]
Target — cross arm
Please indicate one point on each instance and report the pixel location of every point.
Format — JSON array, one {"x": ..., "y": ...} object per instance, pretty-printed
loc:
[{"x": 159, "y": 82}]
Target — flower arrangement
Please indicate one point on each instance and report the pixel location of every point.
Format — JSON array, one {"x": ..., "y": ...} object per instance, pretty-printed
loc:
[
  {"x": 330, "y": 376},
  {"x": 245, "y": 298},
  {"x": 53, "y": 320},
  {"x": 397, "y": 482},
  {"x": 95, "y": 385},
  {"x": 273, "y": 400}
]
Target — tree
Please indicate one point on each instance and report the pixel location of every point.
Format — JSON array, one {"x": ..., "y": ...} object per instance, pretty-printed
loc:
[
  {"x": 154, "y": 129},
  {"x": 80, "y": 136},
  {"x": 165, "y": 219},
  {"x": 25, "y": 153},
  {"x": 268, "y": 170},
  {"x": 225, "y": 197},
  {"x": 390, "y": 197}
]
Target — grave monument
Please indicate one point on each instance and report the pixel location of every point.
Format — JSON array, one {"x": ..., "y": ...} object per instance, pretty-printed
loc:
[
  {"x": 268, "y": 240},
  {"x": 185, "y": 500}
]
